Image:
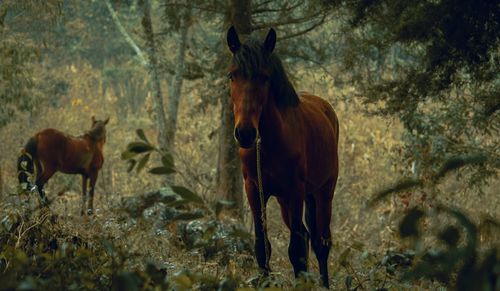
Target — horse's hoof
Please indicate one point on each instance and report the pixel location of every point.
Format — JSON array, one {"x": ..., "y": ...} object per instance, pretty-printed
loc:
[{"x": 32, "y": 187}]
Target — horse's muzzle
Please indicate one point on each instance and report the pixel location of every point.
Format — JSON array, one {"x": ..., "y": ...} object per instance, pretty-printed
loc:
[{"x": 245, "y": 136}]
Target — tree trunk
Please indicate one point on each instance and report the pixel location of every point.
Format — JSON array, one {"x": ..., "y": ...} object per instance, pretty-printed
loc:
[
  {"x": 3, "y": 14},
  {"x": 229, "y": 180},
  {"x": 161, "y": 120},
  {"x": 1, "y": 182},
  {"x": 177, "y": 79}
]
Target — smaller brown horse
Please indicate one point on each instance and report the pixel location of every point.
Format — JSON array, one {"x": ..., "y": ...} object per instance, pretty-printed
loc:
[{"x": 51, "y": 150}]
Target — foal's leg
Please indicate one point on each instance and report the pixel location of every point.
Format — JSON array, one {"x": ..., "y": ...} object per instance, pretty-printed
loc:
[
  {"x": 318, "y": 217},
  {"x": 85, "y": 180},
  {"x": 93, "y": 180},
  {"x": 260, "y": 251}
]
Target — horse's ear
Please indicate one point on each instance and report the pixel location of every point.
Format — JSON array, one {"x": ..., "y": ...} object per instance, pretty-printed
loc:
[
  {"x": 270, "y": 41},
  {"x": 233, "y": 42},
  {"x": 93, "y": 119},
  {"x": 106, "y": 121}
]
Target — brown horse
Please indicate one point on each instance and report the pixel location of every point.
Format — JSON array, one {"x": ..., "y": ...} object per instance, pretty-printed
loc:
[
  {"x": 297, "y": 140},
  {"x": 51, "y": 150}
]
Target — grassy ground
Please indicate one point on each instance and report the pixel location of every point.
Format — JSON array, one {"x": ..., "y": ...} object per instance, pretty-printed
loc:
[{"x": 364, "y": 239}]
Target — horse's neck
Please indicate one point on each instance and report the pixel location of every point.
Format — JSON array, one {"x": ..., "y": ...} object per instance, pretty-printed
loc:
[
  {"x": 91, "y": 141},
  {"x": 271, "y": 126}
]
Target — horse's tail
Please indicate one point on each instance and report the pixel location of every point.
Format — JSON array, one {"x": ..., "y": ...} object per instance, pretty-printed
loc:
[{"x": 25, "y": 162}]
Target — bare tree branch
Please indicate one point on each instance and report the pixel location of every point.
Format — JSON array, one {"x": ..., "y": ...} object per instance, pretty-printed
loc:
[
  {"x": 304, "y": 31},
  {"x": 272, "y": 10},
  {"x": 288, "y": 21},
  {"x": 209, "y": 8},
  {"x": 142, "y": 59},
  {"x": 263, "y": 3}
]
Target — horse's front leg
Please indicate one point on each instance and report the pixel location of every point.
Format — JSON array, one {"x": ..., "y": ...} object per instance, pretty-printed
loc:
[
  {"x": 84, "y": 193},
  {"x": 90, "y": 202},
  {"x": 261, "y": 238},
  {"x": 298, "y": 249}
]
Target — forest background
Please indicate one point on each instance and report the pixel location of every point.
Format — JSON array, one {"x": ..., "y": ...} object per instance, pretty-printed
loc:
[{"x": 415, "y": 86}]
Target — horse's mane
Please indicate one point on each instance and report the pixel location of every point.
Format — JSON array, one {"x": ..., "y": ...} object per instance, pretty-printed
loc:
[
  {"x": 97, "y": 132},
  {"x": 251, "y": 59}
]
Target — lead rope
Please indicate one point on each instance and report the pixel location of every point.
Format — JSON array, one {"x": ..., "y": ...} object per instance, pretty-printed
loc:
[{"x": 263, "y": 215}]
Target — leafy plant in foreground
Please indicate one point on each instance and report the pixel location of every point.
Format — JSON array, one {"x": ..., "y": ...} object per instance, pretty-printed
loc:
[
  {"x": 138, "y": 153},
  {"x": 459, "y": 260}
]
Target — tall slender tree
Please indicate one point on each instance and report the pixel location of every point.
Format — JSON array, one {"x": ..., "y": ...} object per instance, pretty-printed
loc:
[
  {"x": 229, "y": 179},
  {"x": 177, "y": 78},
  {"x": 152, "y": 51}
]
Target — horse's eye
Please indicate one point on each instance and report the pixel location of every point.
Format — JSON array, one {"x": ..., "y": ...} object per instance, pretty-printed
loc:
[{"x": 230, "y": 76}]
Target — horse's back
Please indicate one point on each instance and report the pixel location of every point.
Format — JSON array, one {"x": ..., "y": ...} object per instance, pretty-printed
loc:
[
  {"x": 64, "y": 153},
  {"x": 320, "y": 105},
  {"x": 51, "y": 140}
]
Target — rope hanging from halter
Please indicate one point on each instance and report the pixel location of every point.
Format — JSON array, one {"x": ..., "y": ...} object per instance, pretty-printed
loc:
[{"x": 263, "y": 215}]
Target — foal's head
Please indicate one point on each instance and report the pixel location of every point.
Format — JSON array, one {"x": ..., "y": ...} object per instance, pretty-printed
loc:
[
  {"x": 257, "y": 80},
  {"x": 98, "y": 130}
]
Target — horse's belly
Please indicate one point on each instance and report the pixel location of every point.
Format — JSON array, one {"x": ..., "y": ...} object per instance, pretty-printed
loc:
[{"x": 72, "y": 171}]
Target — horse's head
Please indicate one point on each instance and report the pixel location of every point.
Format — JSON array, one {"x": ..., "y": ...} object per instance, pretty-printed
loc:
[
  {"x": 98, "y": 130},
  {"x": 258, "y": 79},
  {"x": 250, "y": 74}
]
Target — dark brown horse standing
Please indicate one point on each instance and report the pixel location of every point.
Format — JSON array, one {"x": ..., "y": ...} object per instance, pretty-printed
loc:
[
  {"x": 297, "y": 138},
  {"x": 51, "y": 150}
]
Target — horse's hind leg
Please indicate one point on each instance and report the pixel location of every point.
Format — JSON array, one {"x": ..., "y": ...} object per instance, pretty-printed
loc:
[
  {"x": 318, "y": 217},
  {"x": 90, "y": 202},
  {"x": 43, "y": 175},
  {"x": 84, "y": 193}
]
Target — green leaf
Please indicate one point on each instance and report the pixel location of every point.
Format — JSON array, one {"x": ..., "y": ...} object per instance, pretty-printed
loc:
[
  {"x": 348, "y": 282},
  {"x": 450, "y": 236},
  {"x": 221, "y": 204},
  {"x": 461, "y": 161},
  {"x": 141, "y": 135},
  {"x": 131, "y": 164},
  {"x": 177, "y": 203},
  {"x": 408, "y": 226},
  {"x": 343, "y": 257},
  {"x": 187, "y": 194},
  {"x": 8, "y": 222},
  {"x": 139, "y": 147},
  {"x": 127, "y": 280},
  {"x": 469, "y": 226},
  {"x": 29, "y": 283},
  {"x": 108, "y": 247},
  {"x": 357, "y": 245},
  {"x": 127, "y": 155},
  {"x": 162, "y": 171},
  {"x": 188, "y": 216},
  {"x": 240, "y": 233},
  {"x": 143, "y": 162},
  {"x": 168, "y": 160},
  {"x": 182, "y": 282},
  {"x": 400, "y": 186}
]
